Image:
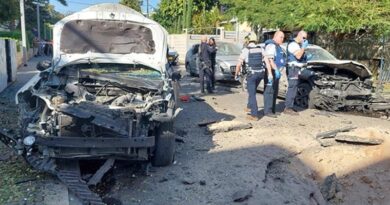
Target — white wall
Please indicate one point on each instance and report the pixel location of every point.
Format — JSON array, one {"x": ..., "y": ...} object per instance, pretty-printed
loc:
[
  {"x": 3, "y": 66},
  {"x": 14, "y": 65}
]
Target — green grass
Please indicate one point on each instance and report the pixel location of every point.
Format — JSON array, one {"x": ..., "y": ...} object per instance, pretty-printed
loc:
[{"x": 18, "y": 181}]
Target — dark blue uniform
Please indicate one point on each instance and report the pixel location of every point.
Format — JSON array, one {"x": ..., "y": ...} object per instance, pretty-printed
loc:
[
  {"x": 271, "y": 92},
  {"x": 255, "y": 66},
  {"x": 205, "y": 72},
  {"x": 293, "y": 70}
]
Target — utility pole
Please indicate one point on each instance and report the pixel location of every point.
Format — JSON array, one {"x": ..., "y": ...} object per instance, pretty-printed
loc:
[
  {"x": 39, "y": 4},
  {"x": 23, "y": 27},
  {"x": 38, "y": 22},
  {"x": 147, "y": 7}
]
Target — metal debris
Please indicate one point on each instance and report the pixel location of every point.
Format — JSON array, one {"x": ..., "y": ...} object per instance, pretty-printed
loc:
[
  {"x": 226, "y": 126},
  {"x": 97, "y": 177},
  {"x": 358, "y": 140},
  {"x": 333, "y": 133},
  {"x": 242, "y": 195},
  {"x": 206, "y": 122}
]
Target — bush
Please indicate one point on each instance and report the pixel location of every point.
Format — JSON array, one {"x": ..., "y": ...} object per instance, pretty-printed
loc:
[{"x": 17, "y": 35}]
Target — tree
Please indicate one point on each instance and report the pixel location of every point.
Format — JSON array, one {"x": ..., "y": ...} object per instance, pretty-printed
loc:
[
  {"x": 134, "y": 4},
  {"x": 343, "y": 16},
  {"x": 176, "y": 15},
  {"x": 9, "y": 10}
]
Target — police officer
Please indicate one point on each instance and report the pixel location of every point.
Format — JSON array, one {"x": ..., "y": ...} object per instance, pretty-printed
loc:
[
  {"x": 256, "y": 63},
  {"x": 213, "y": 61},
  {"x": 205, "y": 71},
  {"x": 296, "y": 59},
  {"x": 276, "y": 57}
]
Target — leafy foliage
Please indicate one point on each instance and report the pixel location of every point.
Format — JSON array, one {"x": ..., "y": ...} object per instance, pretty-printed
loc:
[
  {"x": 340, "y": 16},
  {"x": 199, "y": 15},
  {"x": 8, "y": 10},
  {"x": 134, "y": 4}
]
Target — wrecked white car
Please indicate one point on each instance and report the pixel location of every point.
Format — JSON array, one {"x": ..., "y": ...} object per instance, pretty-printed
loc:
[{"x": 107, "y": 93}]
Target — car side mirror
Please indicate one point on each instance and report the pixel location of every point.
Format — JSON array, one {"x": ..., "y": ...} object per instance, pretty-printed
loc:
[{"x": 43, "y": 65}]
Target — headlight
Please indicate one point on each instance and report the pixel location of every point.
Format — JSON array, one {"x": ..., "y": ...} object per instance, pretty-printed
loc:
[
  {"x": 223, "y": 66},
  {"x": 29, "y": 140}
]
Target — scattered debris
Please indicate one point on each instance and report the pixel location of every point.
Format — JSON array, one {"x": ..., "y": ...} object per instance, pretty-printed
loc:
[
  {"x": 196, "y": 98},
  {"x": 358, "y": 140},
  {"x": 202, "y": 182},
  {"x": 330, "y": 187},
  {"x": 242, "y": 195},
  {"x": 327, "y": 142},
  {"x": 179, "y": 139},
  {"x": 333, "y": 133},
  {"x": 226, "y": 126},
  {"x": 97, "y": 177},
  {"x": 185, "y": 98},
  {"x": 206, "y": 122},
  {"x": 164, "y": 179},
  {"x": 346, "y": 122},
  {"x": 188, "y": 181}
]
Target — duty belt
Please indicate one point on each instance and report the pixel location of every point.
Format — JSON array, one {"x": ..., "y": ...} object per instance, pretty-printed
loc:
[
  {"x": 255, "y": 70},
  {"x": 296, "y": 64}
]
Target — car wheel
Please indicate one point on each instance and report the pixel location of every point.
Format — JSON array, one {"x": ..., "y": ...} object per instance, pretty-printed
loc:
[
  {"x": 302, "y": 97},
  {"x": 164, "y": 151}
]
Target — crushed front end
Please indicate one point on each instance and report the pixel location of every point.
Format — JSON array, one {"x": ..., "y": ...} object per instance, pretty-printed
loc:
[{"x": 87, "y": 113}]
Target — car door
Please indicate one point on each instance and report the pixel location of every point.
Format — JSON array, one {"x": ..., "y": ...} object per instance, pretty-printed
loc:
[{"x": 194, "y": 59}]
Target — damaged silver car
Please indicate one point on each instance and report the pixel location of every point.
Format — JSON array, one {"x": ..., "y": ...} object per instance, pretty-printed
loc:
[{"x": 107, "y": 93}]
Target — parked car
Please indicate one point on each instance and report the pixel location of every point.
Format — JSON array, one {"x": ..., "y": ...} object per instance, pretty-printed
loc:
[
  {"x": 173, "y": 57},
  {"x": 106, "y": 94},
  {"x": 226, "y": 60},
  {"x": 331, "y": 84}
]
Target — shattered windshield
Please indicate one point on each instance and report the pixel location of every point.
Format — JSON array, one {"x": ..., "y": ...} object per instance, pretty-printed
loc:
[
  {"x": 228, "y": 49},
  {"x": 123, "y": 71},
  {"x": 319, "y": 54}
]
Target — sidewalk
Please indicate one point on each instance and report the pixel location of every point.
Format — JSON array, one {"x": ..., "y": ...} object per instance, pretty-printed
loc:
[{"x": 23, "y": 75}]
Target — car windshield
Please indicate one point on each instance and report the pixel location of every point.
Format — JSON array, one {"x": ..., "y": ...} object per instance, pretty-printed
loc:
[
  {"x": 228, "y": 49},
  {"x": 319, "y": 54},
  {"x": 123, "y": 70}
]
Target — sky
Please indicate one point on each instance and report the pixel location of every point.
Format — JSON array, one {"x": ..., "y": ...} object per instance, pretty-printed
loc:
[{"x": 77, "y": 5}]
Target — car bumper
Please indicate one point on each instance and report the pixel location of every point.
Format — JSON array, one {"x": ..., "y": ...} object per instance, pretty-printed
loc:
[
  {"x": 82, "y": 147},
  {"x": 224, "y": 76}
]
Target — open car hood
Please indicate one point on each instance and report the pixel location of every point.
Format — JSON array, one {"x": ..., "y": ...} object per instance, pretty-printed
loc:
[
  {"x": 353, "y": 66},
  {"x": 109, "y": 33}
]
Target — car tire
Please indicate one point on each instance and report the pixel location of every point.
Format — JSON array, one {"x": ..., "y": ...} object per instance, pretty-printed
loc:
[
  {"x": 165, "y": 145},
  {"x": 302, "y": 98}
]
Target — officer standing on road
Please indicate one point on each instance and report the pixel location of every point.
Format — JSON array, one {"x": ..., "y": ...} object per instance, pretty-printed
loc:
[
  {"x": 296, "y": 59},
  {"x": 256, "y": 63},
  {"x": 213, "y": 61},
  {"x": 277, "y": 62},
  {"x": 205, "y": 71}
]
